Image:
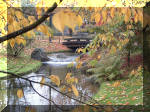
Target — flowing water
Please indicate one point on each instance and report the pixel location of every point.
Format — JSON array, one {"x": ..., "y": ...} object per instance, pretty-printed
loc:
[{"x": 56, "y": 66}]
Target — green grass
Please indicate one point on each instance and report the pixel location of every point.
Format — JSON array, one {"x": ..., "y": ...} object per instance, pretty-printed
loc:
[
  {"x": 128, "y": 92},
  {"x": 3, "y": 65},
  {"x": 18, "y": 65}
]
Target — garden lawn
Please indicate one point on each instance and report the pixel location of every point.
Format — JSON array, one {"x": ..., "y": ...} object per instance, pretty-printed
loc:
[
  {"x": 18, "y": 65},
  {"x": 128, "y": 92}
]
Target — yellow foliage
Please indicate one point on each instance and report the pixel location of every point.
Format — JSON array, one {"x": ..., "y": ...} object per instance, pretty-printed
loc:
[
  {"x": 24, "y": 22},
  {"x": 12, "y": 43},
  {"x": 113, "y": 49},
  {"x": 10, "y": 28},
  {"x": 10, "y": 19},
  {"x": 44, "y": 29},
  {"x": 116, "y": 84},
  {"x": 39, "y": 11},
  {"x": 104, "y": 15},
  {"x": 16, "y": 25},
  {"x": 19, "y": 40},
  {"x": 68, "y": 76},
  {"x": 77, "y": 59},
  {"x": 19, "y": 15},
  {"x": 58, "y": 21},
  {"x": 31, "y": 19},
  {"x": 99, "y": 57},
  {"x": 79, "y": 50},
  {"x": 127, "y": 15},
  {"x": 75, "y": 91},
  {"x": 79, "y": 65},
  {"x": 63, "y": 89},
  {"x": 42, "y": 81},
  {"x": 19, "y": 93},
  {"x": 69, "y": 89},
  {"x": 97, "y": 17},
  {"x": 66, "y": 18},
  {"x": 112, "y": 12},
  {"x": 55, "y": 79}
]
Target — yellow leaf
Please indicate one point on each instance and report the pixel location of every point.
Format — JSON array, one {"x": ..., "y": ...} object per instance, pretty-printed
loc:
[
  {"x": 63, "y": 89},
  {"x": 57, "y": 23},
  {"x": 20, "y": 40},
  {"x": 10, "y": 19},
  {"x": 24, "y": 22},
  {"x": 19, "y": 15},
  {"x": 69, "y": 89},
  {"x": 79, "y": 50},
  {"x": 77, "y": 59},
  {"x": 55, "y": 79},
  {"x": 116, "y": 84},
  {"x": 112, "y": 12},
  {"x": 12, "y": 43},
  {"x": 75, "y": 91},
  {"x": 97, "y": 17},
  {"x": 113, "y": 49},
  {"x": 104, "y": 15},
  {"x": 31, "y": 19},
  {"x": 76, "y": 80},
  {"x": 79, "y": 65},
  {"x": 43, "y": 29},
  {"x": 10, "y": 29},
  {"x": 66, "y": 18},
  {"x": 99, "y": 57},
  {"x": 42, "y": 81},
  {"x": 68, "y": 76},
  {"x": 79, "y": 20},
  {"x": 19, "y": 93}
]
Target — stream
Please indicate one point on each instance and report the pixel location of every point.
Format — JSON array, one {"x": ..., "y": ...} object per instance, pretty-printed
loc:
[{"x": 56, "y": 66}]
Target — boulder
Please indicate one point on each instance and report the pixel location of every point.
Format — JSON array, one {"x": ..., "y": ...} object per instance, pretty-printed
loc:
[{"x": 39, "y": 54}]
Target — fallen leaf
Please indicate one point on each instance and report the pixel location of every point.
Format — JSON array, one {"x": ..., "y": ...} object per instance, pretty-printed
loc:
[
  {"x": 55, "y": 79},
  {"x": 75, "y": 91},
  {"x": 19, "y": 93},
  {"x": 42, "y": 81}
]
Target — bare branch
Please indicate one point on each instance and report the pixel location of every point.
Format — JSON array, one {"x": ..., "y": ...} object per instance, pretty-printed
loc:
[{"x": 14, "y": 75}]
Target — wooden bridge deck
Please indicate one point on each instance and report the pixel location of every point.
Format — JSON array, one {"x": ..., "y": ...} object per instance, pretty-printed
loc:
[{"x": 77, "y": 42}]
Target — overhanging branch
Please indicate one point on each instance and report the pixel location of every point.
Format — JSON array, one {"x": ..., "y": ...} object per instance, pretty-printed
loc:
[{"x": 30, "y": 27}]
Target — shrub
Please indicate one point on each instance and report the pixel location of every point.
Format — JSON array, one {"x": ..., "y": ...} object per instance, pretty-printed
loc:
[{"x": 108, "y": 68}]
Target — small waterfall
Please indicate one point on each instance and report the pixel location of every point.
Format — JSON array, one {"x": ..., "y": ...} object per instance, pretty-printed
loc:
[{"x": 61, "y": 58}]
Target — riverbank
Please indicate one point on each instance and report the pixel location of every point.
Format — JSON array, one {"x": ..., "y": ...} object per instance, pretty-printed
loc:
[
  {"x": 128, "y": 90},
  {"x": 23, "y": 64},
  {"x": 19, "y": 65}
]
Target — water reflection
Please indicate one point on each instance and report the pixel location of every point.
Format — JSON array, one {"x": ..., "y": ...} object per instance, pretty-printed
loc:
[
  {"x": 48, "y": 68},
  {"x": 3, "y": 94}
]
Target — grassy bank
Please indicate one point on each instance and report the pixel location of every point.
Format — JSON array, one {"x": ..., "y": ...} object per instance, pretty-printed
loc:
[
  {"x": 124, "y": 92},
  {"x": 18, "y": 65}
]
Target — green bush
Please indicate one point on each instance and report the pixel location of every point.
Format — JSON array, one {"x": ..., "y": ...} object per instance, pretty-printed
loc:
[{"x": 107, "y": 69}]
